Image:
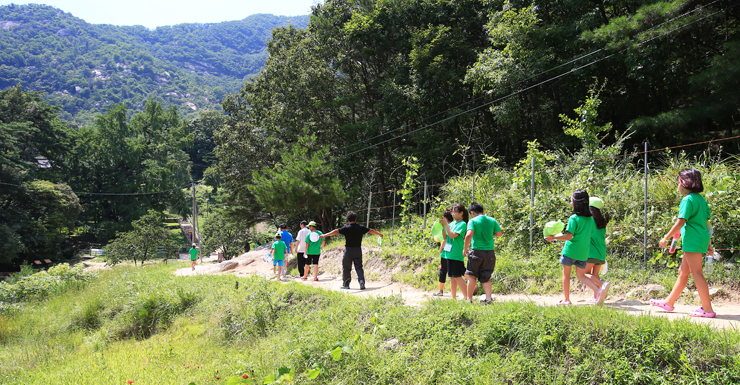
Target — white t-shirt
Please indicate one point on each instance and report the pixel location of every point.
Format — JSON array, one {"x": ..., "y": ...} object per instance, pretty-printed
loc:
[{"x": 301, "y": 238}]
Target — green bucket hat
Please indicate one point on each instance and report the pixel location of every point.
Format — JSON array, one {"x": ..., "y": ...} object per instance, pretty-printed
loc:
[
  {"x": 552, "y": 228},
  {"x": 437, "y": 229},
  {"x": 596, "y": 202},
  {"x": 312, "y": 223},
  {"x": 278, "y": 235}
]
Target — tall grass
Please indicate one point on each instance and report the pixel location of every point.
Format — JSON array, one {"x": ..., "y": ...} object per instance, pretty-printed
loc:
[{"x": 262, "y": 326}]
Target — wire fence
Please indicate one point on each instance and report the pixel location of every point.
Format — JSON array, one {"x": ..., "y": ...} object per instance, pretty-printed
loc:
[{"x": 426, "y": 198}]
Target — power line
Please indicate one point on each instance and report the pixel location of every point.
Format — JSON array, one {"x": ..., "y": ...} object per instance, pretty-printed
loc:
[
  {"x": 536, "y": 75},
  {"x": 96, "y": 193},
  {"x": 538, "y": 84}
]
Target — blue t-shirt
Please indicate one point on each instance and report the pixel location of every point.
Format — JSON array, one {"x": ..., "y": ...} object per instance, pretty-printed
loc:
[{"x": 287, "y": 238}]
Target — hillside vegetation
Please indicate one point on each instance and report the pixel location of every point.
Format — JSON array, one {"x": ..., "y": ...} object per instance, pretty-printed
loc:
[
  {"x": 87, "y": 68},
  {"x": 146, "y": 325}
]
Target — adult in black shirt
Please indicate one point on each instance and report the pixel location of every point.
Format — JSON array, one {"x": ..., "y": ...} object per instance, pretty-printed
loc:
[{"x": 353, "y": 233}]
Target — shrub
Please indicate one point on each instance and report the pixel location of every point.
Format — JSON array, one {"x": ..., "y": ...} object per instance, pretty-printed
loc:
[{"x": 40, "y": 285}]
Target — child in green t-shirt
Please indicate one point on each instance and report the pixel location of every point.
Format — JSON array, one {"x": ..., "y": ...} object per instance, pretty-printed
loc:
[
  {"x": 577, "y": 246},
  {"x": 277, "y": 253},
  {"x": 193, "y": 257},
  {"x": 693, "y": 223}
]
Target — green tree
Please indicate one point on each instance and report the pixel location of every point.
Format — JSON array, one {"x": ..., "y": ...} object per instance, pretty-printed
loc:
[
  {"x": 141, "y": 160},
  {"x": 36, "y": 212},
  {"x": 302, "y": 179},
  {"x": 221, "y": 234},
  {"x": 148, "y": 239},
  {"x": 202, "y": 152},
  {"x": 584, "y": 126}
]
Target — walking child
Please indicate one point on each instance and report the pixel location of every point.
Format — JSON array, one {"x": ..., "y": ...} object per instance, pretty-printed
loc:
[
  {"x": 597, "y": 252},
  {"x": 314, "y": 245},
  {"x": 693, "y": 223},
  {"x": 453, "y": 249},
  {"x": 277, "y": 252},
  {"x": 447, "y": 215},
  {"x": 577, "y": 246},
  {"x": 193, "y": 257},
  {"x": 479, "y": 239}
]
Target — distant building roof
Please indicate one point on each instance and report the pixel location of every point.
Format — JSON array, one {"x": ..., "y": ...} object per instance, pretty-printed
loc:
[{"x": 43, "y": 162}]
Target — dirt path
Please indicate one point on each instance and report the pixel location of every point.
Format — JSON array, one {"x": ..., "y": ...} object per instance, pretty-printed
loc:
[{"x": 728, "y": 313}]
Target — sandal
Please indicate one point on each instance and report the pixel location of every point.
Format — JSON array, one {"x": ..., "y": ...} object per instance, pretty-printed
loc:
[
  {"x": 316, "y": 279},
  {"x": 661, "y": 304},
  {"x": 438, "y": 294},
  {"x": 701, "y": 313},
  {"x": 304, "y": 278},
  {"x": 563, "y": 303}
]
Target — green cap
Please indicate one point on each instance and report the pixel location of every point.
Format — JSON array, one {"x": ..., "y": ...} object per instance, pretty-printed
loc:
[
  {"x": 596, "y": 202},
  {"x": 437, "y": 229},
  {"x": 312, "y": 223},
  {"x": 278, "y": 235},
  {"x": 552, "y": 228}
]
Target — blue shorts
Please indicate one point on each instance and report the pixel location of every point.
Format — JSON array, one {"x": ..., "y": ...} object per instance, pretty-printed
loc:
[
  {"x": 567, "y": 261},
  {"x": 278, "y": 262}
]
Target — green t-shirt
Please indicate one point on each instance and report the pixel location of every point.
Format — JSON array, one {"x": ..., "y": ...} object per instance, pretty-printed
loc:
[
  {"x": 456, "y": 253},
  {"x": 598, "y": 244},
  {"x": 484, "y": 227},
  {"x": 313, "y": 248},
  {"x": 580, "y": 245},
  {"x": 193, "y": 254},
  {"x": 694, "y": 234},
  {"x": 279, "y": 247}
]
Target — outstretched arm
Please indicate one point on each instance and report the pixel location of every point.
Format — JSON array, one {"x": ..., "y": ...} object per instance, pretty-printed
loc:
[
  {"x": 373, "y": 232},
  {"x": 329, "y": 234}
]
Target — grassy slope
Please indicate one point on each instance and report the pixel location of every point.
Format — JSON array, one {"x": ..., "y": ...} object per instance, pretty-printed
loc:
[{"x": 206, "y": 328}]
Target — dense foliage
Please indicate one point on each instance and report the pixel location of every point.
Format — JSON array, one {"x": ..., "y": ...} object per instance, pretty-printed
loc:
[
  {"x": 37, "y": 208},
  {"x": 129, "y": 166},
  {"x": 88, "y": 68},
  {"x": 460, "y": 84}
]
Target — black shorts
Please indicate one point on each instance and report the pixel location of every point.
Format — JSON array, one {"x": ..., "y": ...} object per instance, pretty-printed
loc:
[
  {"x": 455, "y": 268},
  {"x": 481, "y": 264},
  {"x": 312, "y": 259}
]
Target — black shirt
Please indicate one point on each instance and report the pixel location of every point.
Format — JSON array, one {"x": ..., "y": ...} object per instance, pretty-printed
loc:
[{"x": 353, "y": 233}]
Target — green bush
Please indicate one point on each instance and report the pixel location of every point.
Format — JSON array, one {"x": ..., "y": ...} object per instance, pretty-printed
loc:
[{"x": 40, "y": 285}]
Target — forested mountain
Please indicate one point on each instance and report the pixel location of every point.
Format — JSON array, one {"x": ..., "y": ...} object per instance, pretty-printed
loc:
[{"x": 87, "y": 68}]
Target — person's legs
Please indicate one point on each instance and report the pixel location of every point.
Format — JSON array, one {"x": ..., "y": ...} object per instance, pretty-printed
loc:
[
  {"x": 592, "y": 272},
  {"x": 471, "y": 286},
  {"x": 459, "y": 281},
  {"x": 581, "y": 274},
  {"x": 346, "y": 268},
  {"x": 486, "y": 271},
  {"x": 566, "y": 282},
  {"x": 301, "y": 261},
  {"x": 681, "y": 281},
  {"x": 357, "y": 259},
  {"x": 694, "y": 262},
  {"x": 442, "y": 274}
]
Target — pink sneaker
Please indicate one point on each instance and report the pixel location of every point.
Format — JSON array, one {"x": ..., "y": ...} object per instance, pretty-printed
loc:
[{"x": 661, "y": 304}]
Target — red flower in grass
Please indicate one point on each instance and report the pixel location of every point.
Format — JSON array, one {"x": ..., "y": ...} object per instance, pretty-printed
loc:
[
  {"x": 245, "y": 376},
  {"x": 218, "y": 378},
  {"x": 130, "y": 381}
]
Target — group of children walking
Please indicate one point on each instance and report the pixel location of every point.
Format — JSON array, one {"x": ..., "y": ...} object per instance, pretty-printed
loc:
[
  {"x": 585, "y": 246},
  {"x": 307, "y": 252},
  {"x": 311, "y": 242}
]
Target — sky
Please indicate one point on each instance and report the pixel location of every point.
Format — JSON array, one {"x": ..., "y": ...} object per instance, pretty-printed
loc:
[{"x": 155, "y": 13}]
